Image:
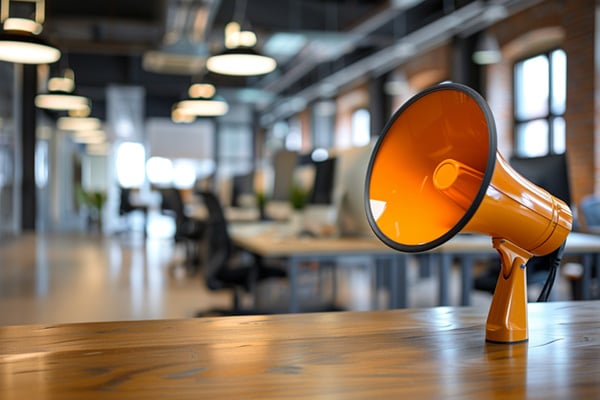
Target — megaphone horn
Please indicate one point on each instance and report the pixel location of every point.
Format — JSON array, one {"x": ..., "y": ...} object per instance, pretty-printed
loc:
[{"x": 435, "y": 171}]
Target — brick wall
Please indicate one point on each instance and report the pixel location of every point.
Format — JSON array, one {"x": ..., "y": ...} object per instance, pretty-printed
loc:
[{"x": 550, "y": 24}]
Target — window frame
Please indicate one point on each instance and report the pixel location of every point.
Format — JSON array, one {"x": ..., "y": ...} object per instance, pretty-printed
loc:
[{"x": 550, "y": 117}]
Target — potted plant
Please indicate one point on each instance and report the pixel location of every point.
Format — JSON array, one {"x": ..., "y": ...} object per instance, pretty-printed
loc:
[
  {"x": 298, "y": 200},
  {"x": 261, "y": 203},
  {"x": 298, "y": 197},
  {"x": 94, "y": 201}
]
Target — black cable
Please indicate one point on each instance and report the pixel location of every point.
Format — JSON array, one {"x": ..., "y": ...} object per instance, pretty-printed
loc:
[{"x": 555, "y": 258}]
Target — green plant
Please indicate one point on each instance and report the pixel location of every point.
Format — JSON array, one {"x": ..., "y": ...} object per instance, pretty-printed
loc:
[
  {"x": 298, "y": 197},
  {"x": 261, "y": 199},
  {"x": 94, "y": 200}
]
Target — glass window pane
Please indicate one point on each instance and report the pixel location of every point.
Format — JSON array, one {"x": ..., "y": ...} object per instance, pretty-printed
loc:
[
  {"x": 532, "y": 138},
  {"x": 323, "y": 123},
  {"x": 131, "y": 164},
  {"x": 559, "y": 141},
  {"x": 159, "y": 171},
  {"x": 532, "y": 87},
  {"x": 293, "y": 140},
  {"x": 235, "y": 141},
  {"x": 361, "y": 127},
  {"x": 235, "y": 151},
  {"x": 559, "y": 81}
]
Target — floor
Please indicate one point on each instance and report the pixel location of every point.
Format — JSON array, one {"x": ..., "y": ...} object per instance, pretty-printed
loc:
[{"x": 57, "y": 278}]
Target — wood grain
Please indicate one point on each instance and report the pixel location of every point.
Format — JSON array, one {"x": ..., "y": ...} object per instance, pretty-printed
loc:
[{"x": 426, "y": 353}]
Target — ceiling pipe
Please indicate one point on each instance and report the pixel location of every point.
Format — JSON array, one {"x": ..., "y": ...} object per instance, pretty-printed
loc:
[
  {"x": 423, "y": 39},
  {"x": 356, "y": 34}
]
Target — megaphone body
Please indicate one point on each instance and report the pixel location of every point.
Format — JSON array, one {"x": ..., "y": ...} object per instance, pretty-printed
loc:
[{"x": 435, "y": 171}]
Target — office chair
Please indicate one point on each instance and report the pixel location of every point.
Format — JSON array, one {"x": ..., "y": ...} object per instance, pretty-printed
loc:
[
  {"x": 222, "y": 269},
  {"x": 590, "y": 209},
  {"x": 188, "y": 231},
  {"x": 126, "y": 207}
]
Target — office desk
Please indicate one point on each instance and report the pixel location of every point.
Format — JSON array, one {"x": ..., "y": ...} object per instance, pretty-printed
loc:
[
  {"x": 467, "y": 247},
  {"x": 271, "y": 241},
  {"x": 266, "y": 242},
  {"x": 428, "y": 353},
  {"x": 198, "y": 212}
]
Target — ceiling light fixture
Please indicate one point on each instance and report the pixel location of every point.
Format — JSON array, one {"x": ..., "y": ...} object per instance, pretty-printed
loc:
[
  {"x": 60, "y": 96},
  {"x": 180, "y": 117},
  {"x": 19, "y": 42},
  {"x": 203, "y": 102},
  {"x": 213, "y": 107},
  {"x": 205, "y": 90},
  {"x": 487, "y": 50},
  {"x": 65, "y": 83},
  {"x": 60, "y": 101},
  {"x": 240, "y": 58},
  {"x": 78, "y": 124}
]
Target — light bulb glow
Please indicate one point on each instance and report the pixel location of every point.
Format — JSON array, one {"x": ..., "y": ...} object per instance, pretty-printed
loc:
[
  {"x": 240, "y": 64},
  {"x": 27, "y": 53}
]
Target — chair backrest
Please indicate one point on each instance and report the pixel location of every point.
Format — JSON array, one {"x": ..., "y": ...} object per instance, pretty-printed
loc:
[
  {"x": 125, "y": 202},
  {"x": 219, "y": 247},
  {"x": 172, "y": 202},
  {"x": 590, "y": 208}
]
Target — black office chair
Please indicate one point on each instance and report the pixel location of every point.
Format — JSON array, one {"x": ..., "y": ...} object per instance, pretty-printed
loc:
[
  {"x": 589, "y": 207},
  {"x": 188, "y": 231},
  {"x": 590, "y": 210},
  {"x": 126, "y": 207},
  {"x": 223, "y": 269}
]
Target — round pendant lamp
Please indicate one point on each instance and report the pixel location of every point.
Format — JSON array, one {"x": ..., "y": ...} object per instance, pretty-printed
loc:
[
  {"x": 19, "y": 40},
  {"x": 241, "y": 61},
  {"x": 240, "y": 58}
]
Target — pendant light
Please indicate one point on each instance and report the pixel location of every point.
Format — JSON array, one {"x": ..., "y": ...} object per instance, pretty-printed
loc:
[
  {"x": 60, "y": 95},
  {"x": 19, "y": 40},
  {"x": 240, "y": 58},
  {"x": 78, "y": 120},
  {"x": 213, "y": 107},
  {"x": 203, "y": 102},
  {"x": 487, "y": 51}
]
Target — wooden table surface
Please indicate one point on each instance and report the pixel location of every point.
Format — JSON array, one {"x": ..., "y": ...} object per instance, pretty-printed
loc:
[{"x": 405, "y": 354}]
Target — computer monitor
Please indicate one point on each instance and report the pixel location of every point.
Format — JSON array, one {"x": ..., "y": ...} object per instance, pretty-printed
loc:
[
  {"x": 549, "y": 172},
  {"x": 349, "y": 201},
  {"x": 322, "y": 188},
  {"x": 242, "y": 185},
  {"x": 284, "y": 164}
]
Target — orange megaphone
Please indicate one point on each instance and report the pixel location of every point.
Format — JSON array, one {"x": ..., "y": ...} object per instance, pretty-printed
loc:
[{"x": 435, "y": 171}]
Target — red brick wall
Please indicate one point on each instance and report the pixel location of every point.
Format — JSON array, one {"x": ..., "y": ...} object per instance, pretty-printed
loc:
[
  {"x": 579, "y": 23},
  {"x": 547, "y": 25},
  {"x": 553, "y": 23}
]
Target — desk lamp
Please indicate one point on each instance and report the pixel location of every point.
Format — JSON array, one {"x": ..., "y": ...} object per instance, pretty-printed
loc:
[{"x": 435, "y": 171}]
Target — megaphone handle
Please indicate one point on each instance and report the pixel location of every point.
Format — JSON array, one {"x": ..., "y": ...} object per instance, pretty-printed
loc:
[{"x": 507, "y": 318}]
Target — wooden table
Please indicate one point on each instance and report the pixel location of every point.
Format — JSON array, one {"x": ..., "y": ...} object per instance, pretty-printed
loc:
[{"x": 395, "y": 354}]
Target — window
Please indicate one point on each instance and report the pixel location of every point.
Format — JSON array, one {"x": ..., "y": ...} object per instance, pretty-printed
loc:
[
  {"x": 131, "y": 164},
  {"x": 361, "y": 127},
  {"x": 236, "y": 151},
  {"x": 540, "y": 102}
]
